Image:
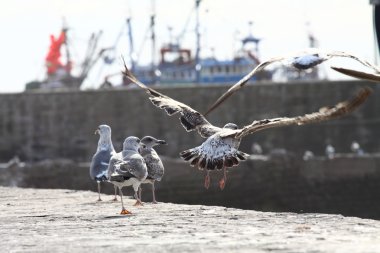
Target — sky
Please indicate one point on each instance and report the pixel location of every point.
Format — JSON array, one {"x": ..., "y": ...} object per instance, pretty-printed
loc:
[{"x": 281, "y": 24}]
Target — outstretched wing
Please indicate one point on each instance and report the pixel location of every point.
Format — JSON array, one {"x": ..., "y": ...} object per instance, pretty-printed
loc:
[
  {"x": 190, "y": 118},
  {"x": 242, "y": 82},
  {"x": 302, "y": 60},
  {"x": 362, "y": 61},
  {"x": 325, "y": 113},
  {"x": 358, "y": 74}
]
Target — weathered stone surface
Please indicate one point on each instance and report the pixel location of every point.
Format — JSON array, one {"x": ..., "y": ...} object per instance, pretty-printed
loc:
[
  {"x": 34, "y": 220},
  {"x": 347, "y": 185}
]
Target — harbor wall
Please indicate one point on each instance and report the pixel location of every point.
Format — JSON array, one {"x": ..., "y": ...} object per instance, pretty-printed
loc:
[{"x": 37, "y": 126}]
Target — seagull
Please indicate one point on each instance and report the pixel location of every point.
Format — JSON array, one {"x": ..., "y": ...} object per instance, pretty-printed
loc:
[
  {"x": 100, "y": 160},
  {"x": 301, "y": 61},
  {"x": 128, "y": 168},
  {"x": 220, "y": 150},
  {"x": 330, "y": 151},
  {"x": 356, "y": 149},
  {"x": 153, "y": 162},
  {"x": 308, "y": 155}
]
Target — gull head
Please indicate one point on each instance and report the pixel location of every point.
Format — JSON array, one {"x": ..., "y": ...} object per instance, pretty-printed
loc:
[
  {"x": 131, "y": 143},
  {"x": 231, "y": 126},
  {"x": 150, "y": 142},
  {"x": 103, "y": 130}
]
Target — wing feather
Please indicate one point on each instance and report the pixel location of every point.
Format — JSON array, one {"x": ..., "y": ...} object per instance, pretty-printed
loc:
[
  {"x": 358, "y": 59},
  {"x": 358, "y": 74},
  {"x": 242, "y": 82},
  {"x": 300, "y": 61},
  {"x": 190, "y": 119},
  {"x": 325, "y": 113}
]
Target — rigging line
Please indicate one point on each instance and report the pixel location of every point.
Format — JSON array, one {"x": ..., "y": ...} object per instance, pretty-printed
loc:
[
  {"x": 143, "y": 43},
  {"x": 184, "y": 30}
]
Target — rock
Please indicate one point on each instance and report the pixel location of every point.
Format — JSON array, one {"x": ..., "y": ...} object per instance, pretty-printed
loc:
[{"x": 36, "y": 220}]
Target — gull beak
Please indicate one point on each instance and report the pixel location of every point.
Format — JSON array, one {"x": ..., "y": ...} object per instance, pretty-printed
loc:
[
  {"x": 161, "y": 142},
  {"x": 97, "y": 131}
]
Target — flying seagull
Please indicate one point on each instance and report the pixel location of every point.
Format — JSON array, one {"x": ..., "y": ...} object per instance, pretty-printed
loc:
[
  {"x": 374, "y": 77},
  {"x": 100, "y": 160},
  {"x": 153, "y": 162},
  {"x": 301, "y": 61},
  {"x": 128, "y": 168},
  {"x": 220, "y": 150}
]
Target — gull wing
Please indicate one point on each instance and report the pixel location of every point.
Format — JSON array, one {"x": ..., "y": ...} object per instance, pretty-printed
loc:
[
  {"x": 302, "y": 60},
  {"x": 190, "y": 118},
  {"x": 362, "y": 61},
  {"x": 358, "y": 74},
  {"x": 242, "y": 82},
  {"x": 325, "y": 113}
]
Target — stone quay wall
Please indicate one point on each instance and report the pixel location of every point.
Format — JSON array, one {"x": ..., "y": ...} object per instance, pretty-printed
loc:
[{"x": 37, "y": 126}]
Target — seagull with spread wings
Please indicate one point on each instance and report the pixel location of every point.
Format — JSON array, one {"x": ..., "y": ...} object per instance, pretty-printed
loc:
[
  {"x": 220, "y": 150},
  {"x": 301, "y": 61}
]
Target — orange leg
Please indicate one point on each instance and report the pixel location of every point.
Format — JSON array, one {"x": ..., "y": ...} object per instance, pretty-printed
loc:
[
  {"x": 138, "y": 200},
  {"x": 222, "y": 182},
  {"x": 123, "y": 210}
]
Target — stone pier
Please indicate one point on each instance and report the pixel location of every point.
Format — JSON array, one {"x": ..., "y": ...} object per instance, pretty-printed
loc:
[{"x": 42, "y": 220}]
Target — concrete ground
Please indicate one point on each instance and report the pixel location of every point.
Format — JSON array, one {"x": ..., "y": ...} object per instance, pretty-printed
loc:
[{"x": 35, "y": 220}]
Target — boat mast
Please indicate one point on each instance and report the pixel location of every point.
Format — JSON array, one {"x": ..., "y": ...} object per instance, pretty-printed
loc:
[
  {"x": 153, "y": 38},
  {"x": 131, "y": 48},
  {"x": 198, "y": 44}
]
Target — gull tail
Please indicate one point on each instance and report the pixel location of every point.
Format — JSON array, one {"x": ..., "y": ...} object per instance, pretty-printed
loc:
[{"x": 202, "y": 161}]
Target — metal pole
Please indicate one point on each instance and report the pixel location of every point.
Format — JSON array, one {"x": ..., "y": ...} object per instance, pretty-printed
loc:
[
  {"x": 131, "y": 48},
  {"x": 198, "y": 44},
  {"x": 376, "y": 27}
]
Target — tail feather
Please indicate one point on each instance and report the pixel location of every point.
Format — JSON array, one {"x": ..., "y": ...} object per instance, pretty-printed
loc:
[
  {"x": 219, "y": 164},
  {"x": 235, "y": 161},
  {"x": 202, "y": 161},
  {"x": 195, "y": 161},
  {"x": 228, "y": 162},
  {"x": 242, "y": 156}
]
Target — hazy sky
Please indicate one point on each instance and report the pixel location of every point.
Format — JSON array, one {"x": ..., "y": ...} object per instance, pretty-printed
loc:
[{"x": 26, "y": 25}]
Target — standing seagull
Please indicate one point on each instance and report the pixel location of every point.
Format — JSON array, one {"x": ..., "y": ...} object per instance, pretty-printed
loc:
[
  {"x": 128, "y": 168},
  {"x": 220, "y": 150},
  {"x": 301, "y": 61},
  {"x": 153, "y": 162},
  {"x": 100, "y": 160}
]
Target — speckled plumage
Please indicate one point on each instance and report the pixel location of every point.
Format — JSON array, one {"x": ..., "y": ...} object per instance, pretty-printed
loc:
[{"x": 153, "y": 161}]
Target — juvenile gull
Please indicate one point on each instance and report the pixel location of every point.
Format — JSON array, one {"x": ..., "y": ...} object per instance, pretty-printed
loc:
[
  {"x": 301, "y": 61},
  {"x": 220, "y": 150},
  {"x": 100, "y": 160},
  {"x": 153, "y": 162},
  {"x": 128, "y": 168}
]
